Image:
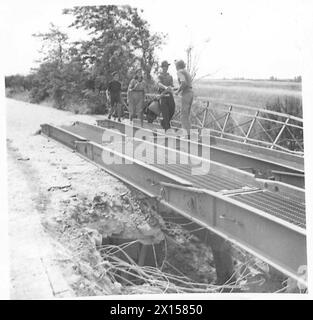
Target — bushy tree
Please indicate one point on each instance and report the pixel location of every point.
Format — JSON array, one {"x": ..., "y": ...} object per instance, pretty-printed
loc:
[
  {"x": 54, "y": 45},
  {"x": 43, "y": 82},
  {"x": 118, "y": 39}
]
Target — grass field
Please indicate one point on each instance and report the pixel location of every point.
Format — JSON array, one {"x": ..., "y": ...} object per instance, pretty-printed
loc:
[
  {"x": 281, "y": 96},
  {"x": 254, "y": 93}
]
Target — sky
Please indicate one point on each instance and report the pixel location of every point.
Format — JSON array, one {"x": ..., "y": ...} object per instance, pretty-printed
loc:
[{"x": 251, "y": 39}]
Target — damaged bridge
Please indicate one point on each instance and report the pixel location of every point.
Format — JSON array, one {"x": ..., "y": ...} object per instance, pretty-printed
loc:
[{"x": 256, "y": 202}]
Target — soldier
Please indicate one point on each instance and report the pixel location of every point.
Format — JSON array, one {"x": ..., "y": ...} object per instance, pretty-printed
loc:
[
  {"x": 167, "y": 103},
  {"x": 185, "y": 88},
  {"x": 114, "y": 92},
  {"x": 135, "y": 96}
]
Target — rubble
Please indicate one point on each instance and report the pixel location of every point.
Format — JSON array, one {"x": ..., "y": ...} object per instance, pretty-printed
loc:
[
  {"x": 109, "y": 233},
  {"x": 63, "y": 188}
]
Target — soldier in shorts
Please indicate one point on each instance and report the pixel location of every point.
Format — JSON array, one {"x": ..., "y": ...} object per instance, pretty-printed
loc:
[{"x": 185, "y": 89}]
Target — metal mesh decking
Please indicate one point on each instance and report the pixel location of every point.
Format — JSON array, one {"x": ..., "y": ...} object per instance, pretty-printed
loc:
[{"x": 275, "y": 204}]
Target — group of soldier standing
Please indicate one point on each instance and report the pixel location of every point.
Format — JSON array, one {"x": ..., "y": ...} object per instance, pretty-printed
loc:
[{"x": 165, "y": 100}]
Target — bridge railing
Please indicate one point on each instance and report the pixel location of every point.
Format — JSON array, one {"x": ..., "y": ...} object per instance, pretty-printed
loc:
[{"x": 246, "y": 124}]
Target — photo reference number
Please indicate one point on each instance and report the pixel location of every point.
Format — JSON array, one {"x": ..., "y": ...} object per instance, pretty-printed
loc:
[{"x": 159, "y": 309}]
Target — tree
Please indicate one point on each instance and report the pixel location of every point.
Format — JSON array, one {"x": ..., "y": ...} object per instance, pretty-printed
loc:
[
  {"x": 54, "y": 43},
  {"x": 120, "y": 40},
  {"x": 43, "y": 81},
  {"x": 298, "y": 79},
  {"x": 193, "y": 57},
  {"x": 77, "y": 73},
  {"x": 49, "y": 78}
]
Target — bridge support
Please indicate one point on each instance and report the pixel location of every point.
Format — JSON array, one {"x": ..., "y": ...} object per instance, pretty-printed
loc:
[
  {"x": 276, "y": 239},
  {"x": 223, "y": 261}
]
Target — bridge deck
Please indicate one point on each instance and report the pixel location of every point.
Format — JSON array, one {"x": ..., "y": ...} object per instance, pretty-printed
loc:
[{"x": 277, "y": 204}]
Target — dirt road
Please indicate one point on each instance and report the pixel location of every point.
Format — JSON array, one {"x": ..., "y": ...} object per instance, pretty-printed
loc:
[{"x": 35, "y": 166}]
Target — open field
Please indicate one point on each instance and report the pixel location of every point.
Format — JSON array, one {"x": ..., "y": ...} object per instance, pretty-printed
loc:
[
  {"x": 280, "y": 96},
  {"x": 254, "y": 93}
]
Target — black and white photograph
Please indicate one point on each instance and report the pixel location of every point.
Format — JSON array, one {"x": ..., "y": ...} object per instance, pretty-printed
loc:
[{"x": 156, "y": 148}]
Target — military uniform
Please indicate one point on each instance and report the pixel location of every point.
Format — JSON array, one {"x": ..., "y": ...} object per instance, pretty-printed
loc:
[
  {"x": 167, "y": 103},
  {"x": 114, "y": 89},
  {"x": 135, "y": 97},
  {"x": 187, "y": 98}
]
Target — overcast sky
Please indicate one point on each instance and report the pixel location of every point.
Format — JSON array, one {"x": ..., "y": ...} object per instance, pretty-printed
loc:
[{"x": 252, "y": 39}]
